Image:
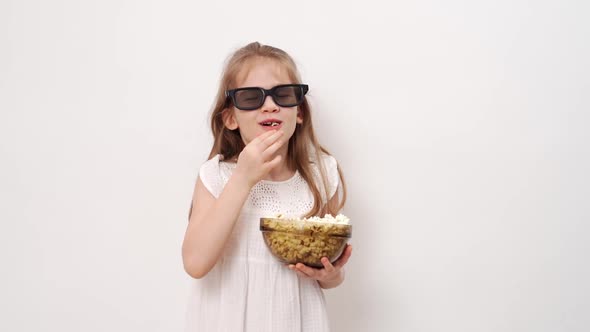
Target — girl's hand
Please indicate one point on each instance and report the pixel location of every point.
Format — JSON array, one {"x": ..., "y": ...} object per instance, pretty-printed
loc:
[
  {"x": 328, "y": 277},
  {"x": 257, "y": 158}
]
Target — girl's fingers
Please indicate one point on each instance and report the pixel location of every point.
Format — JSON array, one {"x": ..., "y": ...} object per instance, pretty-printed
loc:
[
  {"x": 329, "y": 270},
  {"x": 272, "y": 149},
  {"x": 327, "y": 265},
  {"x": 299, "y": 273},
  {"x": 344, "y": 258},
  {"x": 262, "y": 136},
  {"x": 267, "y": 141},
  {"x": 308, "y": 271}
]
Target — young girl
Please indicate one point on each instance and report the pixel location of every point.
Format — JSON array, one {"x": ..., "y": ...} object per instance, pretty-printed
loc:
[{"x": 265, "y": 160}]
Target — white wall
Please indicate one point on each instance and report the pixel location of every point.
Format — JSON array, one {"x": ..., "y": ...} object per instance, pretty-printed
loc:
[{"x": 461, "y": 128}]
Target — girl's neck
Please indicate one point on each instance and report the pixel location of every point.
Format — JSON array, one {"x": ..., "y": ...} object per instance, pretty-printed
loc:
[{"x": 281, "y": 172}]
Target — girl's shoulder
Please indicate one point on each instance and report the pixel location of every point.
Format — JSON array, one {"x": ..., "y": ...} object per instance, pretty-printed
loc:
[
  {"x": 217, "y": 163},
  {"x": 331, "y": 168},
  {"x": 329, "y": 161},
  {"x": 211, "y": 163},
  {"x": 214, "y": 173}
]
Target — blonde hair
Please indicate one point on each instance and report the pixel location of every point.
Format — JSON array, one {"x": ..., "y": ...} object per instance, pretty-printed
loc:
[{"x": 302, "y": 145}]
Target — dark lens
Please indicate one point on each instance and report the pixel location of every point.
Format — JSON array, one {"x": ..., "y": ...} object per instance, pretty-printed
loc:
[
  {"x": 248, "y": 98},
  {"x": 288, "y": 96}
]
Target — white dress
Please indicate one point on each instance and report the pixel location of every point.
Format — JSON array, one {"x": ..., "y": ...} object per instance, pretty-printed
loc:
[{"x": 248, "y": 289}]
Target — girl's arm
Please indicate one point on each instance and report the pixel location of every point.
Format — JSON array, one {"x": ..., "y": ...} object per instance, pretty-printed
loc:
[
  {"x": 212, "y": 220},
  {"x": 210, "y": 225}
]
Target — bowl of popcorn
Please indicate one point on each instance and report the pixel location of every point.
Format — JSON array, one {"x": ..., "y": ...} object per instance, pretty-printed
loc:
[{"x": 295, "y": 240}]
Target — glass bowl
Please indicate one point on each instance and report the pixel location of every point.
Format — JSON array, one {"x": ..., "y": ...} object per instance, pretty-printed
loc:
[{"x": 294, "y": 241}]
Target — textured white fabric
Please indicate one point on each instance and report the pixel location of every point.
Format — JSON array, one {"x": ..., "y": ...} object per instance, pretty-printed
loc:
[{"x": 248, "y": 289}]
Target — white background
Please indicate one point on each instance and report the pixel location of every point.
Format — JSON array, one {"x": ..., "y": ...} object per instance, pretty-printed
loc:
[{"x": 461, "y": 126}]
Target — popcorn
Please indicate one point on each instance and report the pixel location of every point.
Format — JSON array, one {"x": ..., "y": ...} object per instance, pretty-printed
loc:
[
  {"x": 306, "y": 240},
  {"x": 328, "y": 218}
]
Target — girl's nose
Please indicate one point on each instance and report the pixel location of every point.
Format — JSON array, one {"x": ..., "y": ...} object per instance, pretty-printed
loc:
[{"x": 269, "y": 105}]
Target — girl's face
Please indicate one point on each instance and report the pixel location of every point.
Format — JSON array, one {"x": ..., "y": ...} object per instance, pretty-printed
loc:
[{"x": 263, "y": 73}]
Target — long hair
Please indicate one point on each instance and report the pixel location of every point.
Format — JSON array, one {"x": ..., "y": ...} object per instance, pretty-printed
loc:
[{"x": 304, "y": 148}]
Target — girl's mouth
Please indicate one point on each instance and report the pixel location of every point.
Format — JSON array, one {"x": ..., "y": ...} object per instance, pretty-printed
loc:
[{"x": 271, "y": 124}]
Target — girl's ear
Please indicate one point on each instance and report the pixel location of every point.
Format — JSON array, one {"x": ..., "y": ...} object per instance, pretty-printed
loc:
[
  {"x": 229, "y": 119},
  {"x": 299, "y": 117}
]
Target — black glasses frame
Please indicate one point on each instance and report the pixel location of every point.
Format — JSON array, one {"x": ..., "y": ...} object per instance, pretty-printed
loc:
[{"x": 231, "y": 94}]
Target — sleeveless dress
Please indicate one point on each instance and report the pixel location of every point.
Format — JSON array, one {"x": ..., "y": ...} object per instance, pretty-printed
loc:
[{"x": 249, "y": 289}]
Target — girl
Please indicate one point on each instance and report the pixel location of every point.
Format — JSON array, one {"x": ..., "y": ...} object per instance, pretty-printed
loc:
[{"x": 265, "y": 160}]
